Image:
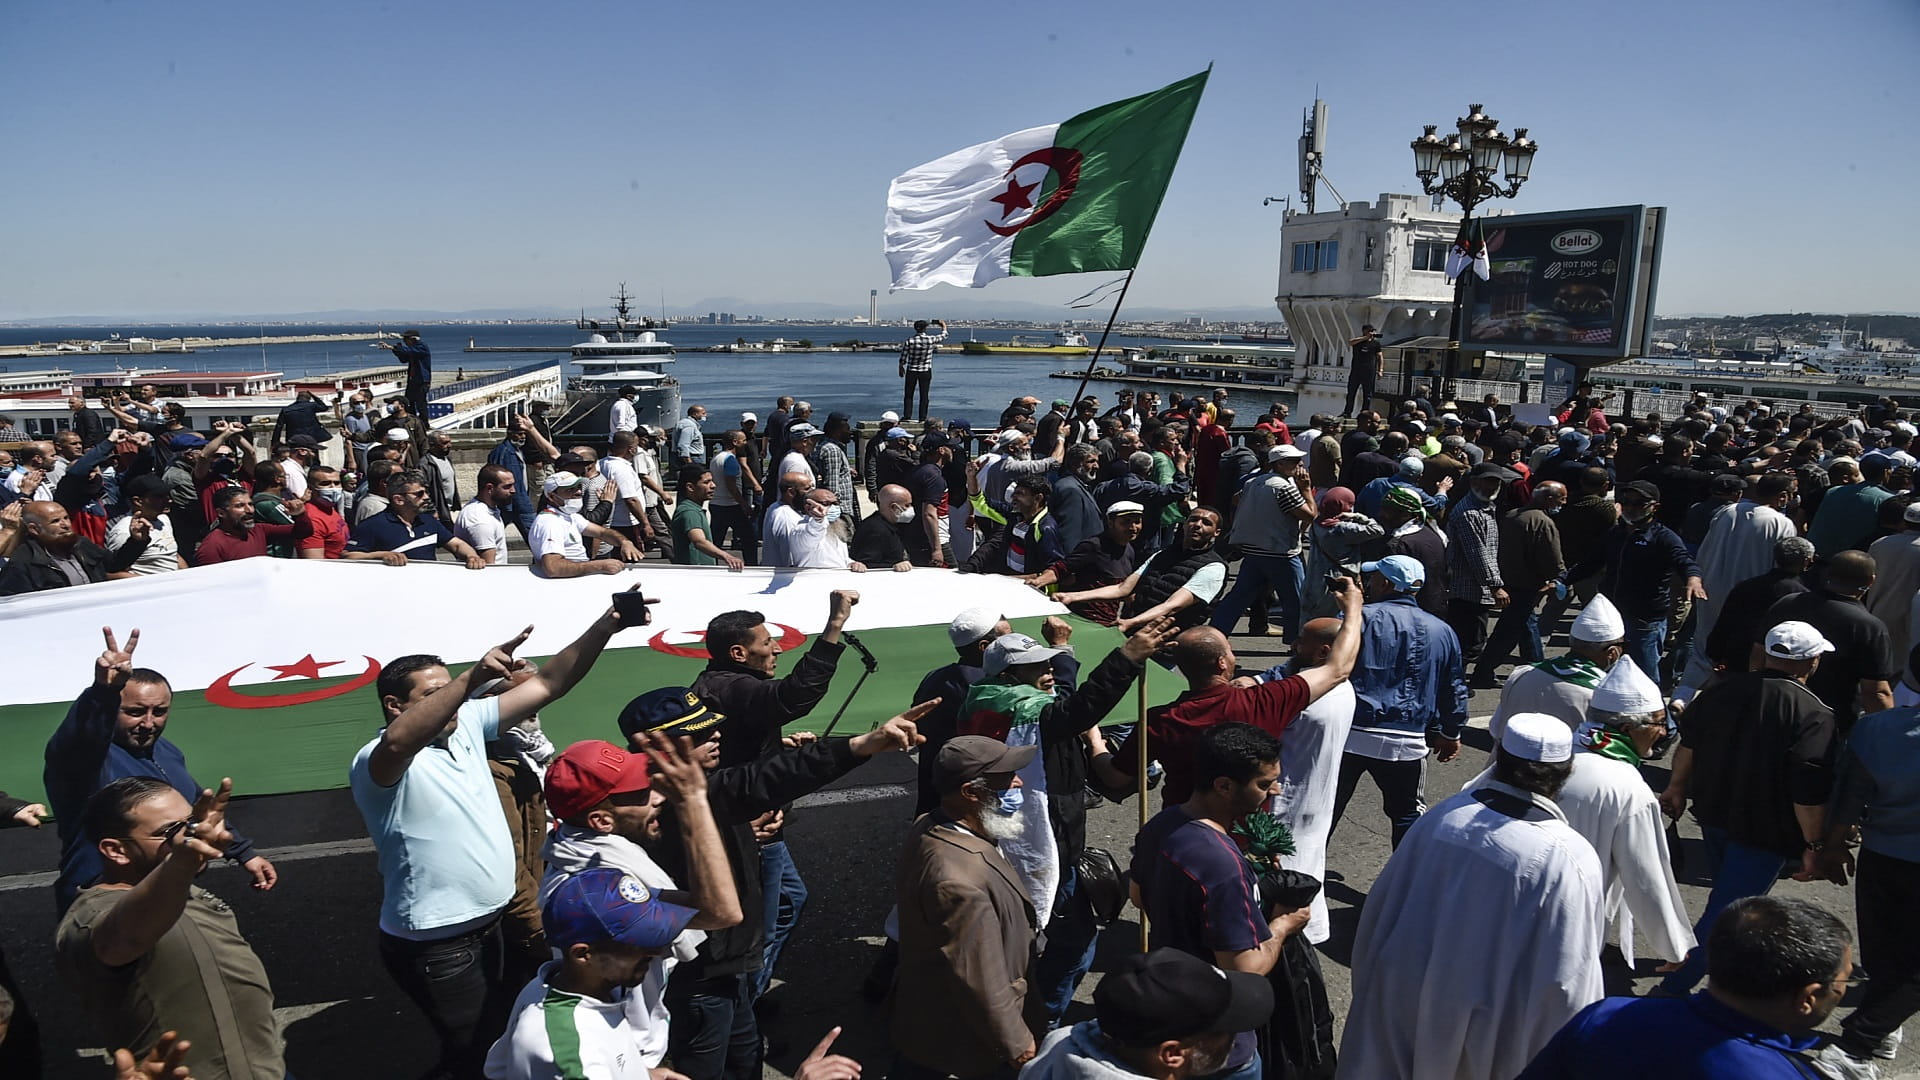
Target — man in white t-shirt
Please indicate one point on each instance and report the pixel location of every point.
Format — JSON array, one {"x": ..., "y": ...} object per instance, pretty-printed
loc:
[
  {"x": 802, "y": 437},
  {"x": 626, "y": 490},
  {"x": 482, "y": 523},
  {"x": 646, "y": 463},
  {"x": 148, "y": 495},
  {"x": 559, "y": 537},
  {"x": 624, "y": 416},
  {"x": 303, "y": 453}
]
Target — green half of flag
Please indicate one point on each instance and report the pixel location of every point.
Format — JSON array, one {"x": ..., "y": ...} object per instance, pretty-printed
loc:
[{"x": 1111, "y": 166}]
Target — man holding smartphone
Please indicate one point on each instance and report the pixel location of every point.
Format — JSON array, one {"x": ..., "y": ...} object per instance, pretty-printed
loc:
[{"x": 916, "y": 364}]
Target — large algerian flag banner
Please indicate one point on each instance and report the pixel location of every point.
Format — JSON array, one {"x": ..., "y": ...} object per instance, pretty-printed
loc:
[
  {"x": 273, "y": 661},
  {"x": 1059, "y": 199}
]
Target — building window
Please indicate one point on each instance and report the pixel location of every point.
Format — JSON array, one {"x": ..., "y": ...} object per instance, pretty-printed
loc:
[
  {"x": 1430, "y": 255},
  {"x": 1316, "y": 255}
]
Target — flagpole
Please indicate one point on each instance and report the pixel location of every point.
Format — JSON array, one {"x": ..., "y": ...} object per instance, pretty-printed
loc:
[
  {"x": 1140, "y": 771},
  {"x": 1081, "y": 390}
]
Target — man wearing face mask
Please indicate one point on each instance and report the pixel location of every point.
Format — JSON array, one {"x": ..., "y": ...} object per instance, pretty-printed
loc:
[
  {"x": 966, "y": 927},
  {"x": 324, "y": 517},
  {"x": 116, "y": 728},
  {"x": 881, "y": 538},
  {"x": 1562, "y": 686},
  {"x": 1636, "y": 561},
  {"x": 559, "y": 538},
  {"x": 357, "y": 426},
  {"x": 1607, "y": 801},
  {"x": 801, "y": 530}
]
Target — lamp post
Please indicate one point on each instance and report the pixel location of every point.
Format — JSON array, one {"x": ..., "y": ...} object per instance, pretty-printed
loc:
[{"x": 1463, "y": 167}]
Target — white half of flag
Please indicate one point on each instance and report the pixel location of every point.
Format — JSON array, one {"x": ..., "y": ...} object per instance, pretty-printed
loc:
[{"x": 936, "y": 233}]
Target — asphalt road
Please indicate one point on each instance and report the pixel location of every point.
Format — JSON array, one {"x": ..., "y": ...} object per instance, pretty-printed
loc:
[{"x": 344, "y": 1018}]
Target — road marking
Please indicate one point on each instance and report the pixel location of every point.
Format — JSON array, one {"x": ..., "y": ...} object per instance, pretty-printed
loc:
[{"x": 328, "y": 849}]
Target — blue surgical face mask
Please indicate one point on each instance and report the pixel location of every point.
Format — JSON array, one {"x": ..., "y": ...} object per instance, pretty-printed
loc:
[
  {"x": 1010, "y": 801},
  {"x": 833, "y": 514}
]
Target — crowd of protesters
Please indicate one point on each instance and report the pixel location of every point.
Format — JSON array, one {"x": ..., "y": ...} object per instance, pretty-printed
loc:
[{"x": 1739, "y": 583}]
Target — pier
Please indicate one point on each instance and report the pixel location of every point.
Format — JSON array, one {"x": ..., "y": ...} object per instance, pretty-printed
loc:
[{"x": 178, "y": 346}]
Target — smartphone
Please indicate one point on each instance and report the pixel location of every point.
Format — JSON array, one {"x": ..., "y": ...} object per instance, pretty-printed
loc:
[{"x": 631, "y": 606}]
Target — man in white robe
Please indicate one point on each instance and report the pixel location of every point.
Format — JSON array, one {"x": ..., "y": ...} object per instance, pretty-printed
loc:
[
  {"x": 1607, "y": 801},
  {"x": 1310, "y": 751},
  {"x": 1482, "y": 935},
  {"x": 1739, "y": 545},
  {"x": 1562, "y": 685},
  {"x": 1896, "y": 580}
]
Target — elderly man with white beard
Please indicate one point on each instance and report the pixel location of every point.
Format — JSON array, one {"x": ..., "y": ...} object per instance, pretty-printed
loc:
[
  {"x": 1607, "y": 801},
  {"x": 1482, "y": 935}
]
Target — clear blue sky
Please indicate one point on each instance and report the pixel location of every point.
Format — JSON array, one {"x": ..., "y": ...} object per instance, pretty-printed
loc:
[{"x": 220, "y": 156}]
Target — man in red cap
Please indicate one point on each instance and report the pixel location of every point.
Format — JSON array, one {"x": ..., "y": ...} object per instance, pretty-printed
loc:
[{"x": 607, "y": 801}]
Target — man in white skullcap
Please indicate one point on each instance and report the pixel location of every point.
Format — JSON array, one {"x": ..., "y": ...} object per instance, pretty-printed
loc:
[
  {"x": 1607, "y": 801},
  {"x": 1482, "y": 935},
  {"x": 1561, "y": 685}
]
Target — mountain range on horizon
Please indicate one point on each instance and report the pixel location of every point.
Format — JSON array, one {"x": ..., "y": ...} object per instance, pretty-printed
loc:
[{"x": 773, "y": 312}]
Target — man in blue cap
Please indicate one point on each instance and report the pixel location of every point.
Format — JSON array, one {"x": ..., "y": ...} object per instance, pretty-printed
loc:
[
  {"x": 1410, "y": 692},
  {"x": 573, "y": 1019}
]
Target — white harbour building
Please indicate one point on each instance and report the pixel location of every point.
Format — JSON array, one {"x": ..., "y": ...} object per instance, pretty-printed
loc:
[{"x": 1381, "y": 263}]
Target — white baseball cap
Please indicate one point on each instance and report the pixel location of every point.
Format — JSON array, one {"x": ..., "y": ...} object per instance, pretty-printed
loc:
[
  {"x": 1538, "y": 737},
  {"x": 1125, "y": 506},
  {"x": 1796, "y": 641},
  {"x": 746, "y": 416},
  {"x": 1284, "y": 452},
  {"x": 560, "y": 481},
  {"x": 890, "y": 416},
  {"x": 971, "y": 625},
  {"x": 1011, "y": 650}
]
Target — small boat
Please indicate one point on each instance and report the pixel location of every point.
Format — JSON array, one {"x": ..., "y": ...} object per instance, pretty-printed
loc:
[{"x": 1063, "y": 343}]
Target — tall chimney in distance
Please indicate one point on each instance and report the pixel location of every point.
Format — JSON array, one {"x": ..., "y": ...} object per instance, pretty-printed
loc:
[{"x": 873, "y": 307}]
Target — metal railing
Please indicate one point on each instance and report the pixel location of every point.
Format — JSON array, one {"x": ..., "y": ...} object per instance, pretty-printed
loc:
[{"x": 449, "y": 390}]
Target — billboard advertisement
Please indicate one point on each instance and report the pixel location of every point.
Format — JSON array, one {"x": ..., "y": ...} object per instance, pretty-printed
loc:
[{"x": 1576, "y": 283}]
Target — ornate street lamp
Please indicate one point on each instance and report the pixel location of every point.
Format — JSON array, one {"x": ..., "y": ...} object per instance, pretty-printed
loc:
[{"x": 1463, "y": 167}]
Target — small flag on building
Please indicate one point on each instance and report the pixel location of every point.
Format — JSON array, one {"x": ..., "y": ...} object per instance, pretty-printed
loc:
[
  {"x": 1059, "y": 199},
  {"x": 1469, "y": 251}
]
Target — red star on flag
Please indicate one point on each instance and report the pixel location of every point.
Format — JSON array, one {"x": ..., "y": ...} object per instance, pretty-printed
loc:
[
  {"x": 305, "y": 668},
  {"x": 1014, "y": 198}
]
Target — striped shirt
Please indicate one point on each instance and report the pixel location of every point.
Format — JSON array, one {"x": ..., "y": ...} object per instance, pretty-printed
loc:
[{"x": 916, "y": 353}]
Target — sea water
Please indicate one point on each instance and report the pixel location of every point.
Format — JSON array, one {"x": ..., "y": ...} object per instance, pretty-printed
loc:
[{"x": 862, "y": 384}]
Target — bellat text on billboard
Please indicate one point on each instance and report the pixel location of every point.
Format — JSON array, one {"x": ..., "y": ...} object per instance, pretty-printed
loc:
[{"x": 1576, "y": 283}]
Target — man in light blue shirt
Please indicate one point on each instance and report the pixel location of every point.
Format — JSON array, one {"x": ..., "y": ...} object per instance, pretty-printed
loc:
[
  {"x": 689, "y": 445},
  {"x": 1878, "y": 789},
  {"x": 446, "y": 856}
]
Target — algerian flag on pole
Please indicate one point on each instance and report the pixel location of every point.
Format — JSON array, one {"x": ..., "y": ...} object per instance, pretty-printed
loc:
[
  {"x": 1469, "y": 251},
  {"x": 1059, "y": 199}
]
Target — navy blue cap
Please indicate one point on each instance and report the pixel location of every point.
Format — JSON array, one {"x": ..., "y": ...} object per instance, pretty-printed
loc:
[
  {"x": 675, "y": 710},
  {"x": 606, "y": 904}
]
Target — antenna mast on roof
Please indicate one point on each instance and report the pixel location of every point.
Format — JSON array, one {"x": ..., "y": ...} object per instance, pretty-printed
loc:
[{"x": 1313, "y": 149}]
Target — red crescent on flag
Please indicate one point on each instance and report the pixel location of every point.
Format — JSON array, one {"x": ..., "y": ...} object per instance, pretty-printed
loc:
[
  {"x": 1060, "y": 159},
  {"x": 788, "y": 640},
  {"x": 223, "y": 694}
]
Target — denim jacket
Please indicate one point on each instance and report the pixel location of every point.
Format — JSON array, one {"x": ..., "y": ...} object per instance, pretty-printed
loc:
[{"x": 1410, "y": 675}]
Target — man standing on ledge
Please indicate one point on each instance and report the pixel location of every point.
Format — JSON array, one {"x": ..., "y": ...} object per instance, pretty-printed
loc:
[
  {"x": 414, "y": 353},
  {"x": 916, "y": 365},
  {"x": 1366, "y": 366}
]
